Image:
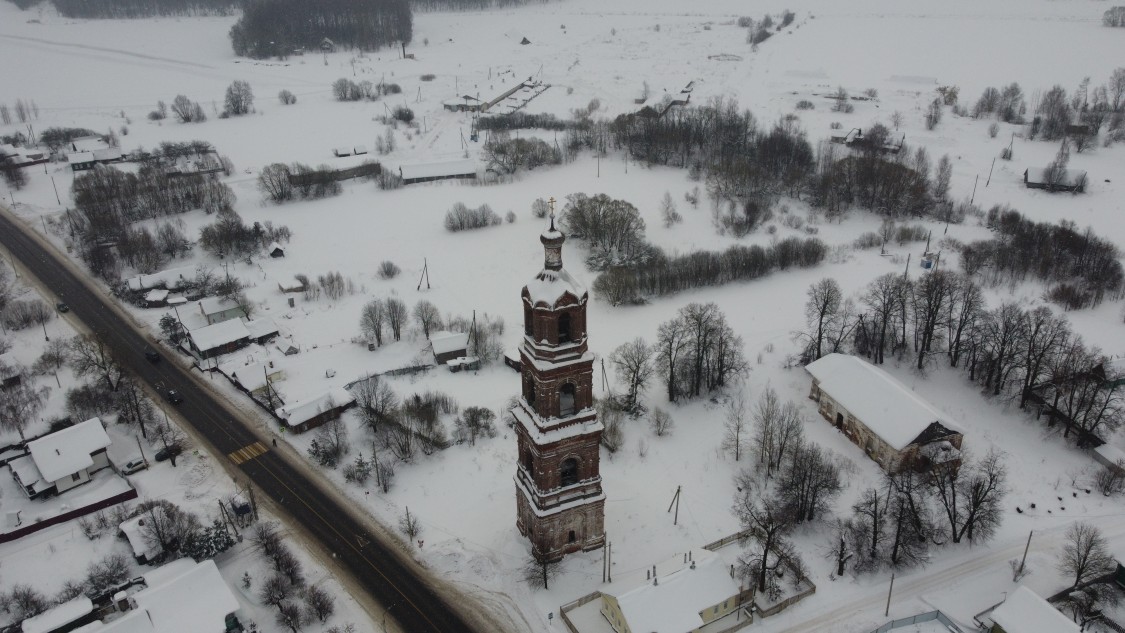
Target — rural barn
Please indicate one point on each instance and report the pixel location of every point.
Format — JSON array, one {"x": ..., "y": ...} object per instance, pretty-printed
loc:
[
  {"x": 895, "y": 427},
  {"x": 218, "y": 339},
  {"x": 275, "y": 250},
  {"x": 447, "y": 346},
  {"x": 1073, "y": 180},
  {"x": 430, "y": 172}
]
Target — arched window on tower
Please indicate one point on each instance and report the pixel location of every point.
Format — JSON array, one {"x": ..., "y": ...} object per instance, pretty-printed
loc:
[
  {"x": 568, "y": 473},
  {"x": 529, "y": 463},
  {"x": 529, "y": 391},
  {"x": 564, "y": 328},
  {"x": 566, "y": 400},
  {"x": 528, "y": 322}
]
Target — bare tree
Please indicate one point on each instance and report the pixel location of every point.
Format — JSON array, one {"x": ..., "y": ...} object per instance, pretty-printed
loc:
[
  {"x": 734, "y": 438},
  {"x": 671, "y": 341},
  {"x": 20, "y": 404},
  {"x": 769, "y": 523},
  {"x": 1085, "y": 554},
  {"x": 291, "y": 616},
  {"x": 396, "y": 316},
  {"x": 821, "y": 311},
  {"x": 840, "y": 549},
  {"x": 810, "y": 482},
  {"x": 427, "y": 316},
  {"x": 970, "y": 497},
  {"x": 372, "y": 319},
  {"x": 777, "y": 430},
  {"x": 633, "y": 362},
  {"x": 661, "y": 422},
  {"x": 319, "y": 603},
  {"x": 929, "y": 300},
  {"x": 376, "y": 400},
  {"x": 668, "y": 212},
  {"x": 166, "y": 525},
  {"x": 409, "y": 525},
  {"x": 536, "y": 571},
  {"x": 239, "y": 98},
  {"x": 275, "y": 590},
  {"x": 868, "y": 527},
  {"x": 92, "y": 356}
]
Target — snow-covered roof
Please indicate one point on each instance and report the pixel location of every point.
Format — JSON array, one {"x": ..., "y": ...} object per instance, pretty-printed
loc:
[
  {"x": 1110, "y": 453},
  {"x": 132, "y": 622},
  {"x": 253, "y": 376},
  {"x": 446, "y": 342},
  {"x": 298, "y": 413},
  {"x": 215, "y": 305},
  {"x": 886, "y": 406},
  {"x": 1025, "y": 612},
  {"x": 261, "y": 327},
  {"x": 88, "y": 144},
  {"x": 465, "y": 167},
  {"x": 141, "y": 544},
  {"x": 1067, "y": 177},
  {"x": 674, "y": 603},
  {"x": 80, "y": 157},
  {"x": 156, "y": 295},
  {"x": 59, "y": 616},
  {"x": 274, "y": 246},
  {"x": 550, "y": 285},
  {"x": 169, "y": 278},
  {"x": 219, "y": 334},
  {"x": 190, "y": 602},
  {"x": 66, "y": 452},
  {"x": 108, "y": 153}
]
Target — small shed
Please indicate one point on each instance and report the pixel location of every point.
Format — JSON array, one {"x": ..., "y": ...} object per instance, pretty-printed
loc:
[
  {"x": 525, "y": 41},
  {"x": 430, "y": 172},
  {"x": 342, "y": 151},
  {"x": 1052, "y": 179},
  {"x": 290, "y": 284},
  {"x": 67, "y": 616},
  {"x": 156, "y": 298},
  {"x": 447, "y": 346},
  {"x": 262, "y": 331},
  {"x": 327, "y": 45},
  {"x": 146, "y": 550},
  {"x": 512, "y": 359},
  {"x": 275, "y": 250},
  {"x": 10, "y": 374},
  {"x": 359, "y": 150}
]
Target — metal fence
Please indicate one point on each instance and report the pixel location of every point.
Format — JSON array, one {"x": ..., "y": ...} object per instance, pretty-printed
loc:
[{"x": 916, "y": 619}]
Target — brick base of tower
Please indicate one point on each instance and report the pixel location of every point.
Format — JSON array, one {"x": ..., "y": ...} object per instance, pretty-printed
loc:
[{"x": 551, "y": 535}]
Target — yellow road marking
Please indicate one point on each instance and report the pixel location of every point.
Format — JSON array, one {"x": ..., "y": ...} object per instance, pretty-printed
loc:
[{"x": 246, "y": 453}]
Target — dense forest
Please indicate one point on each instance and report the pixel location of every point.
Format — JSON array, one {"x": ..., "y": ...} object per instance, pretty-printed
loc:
[
  {"x": 276, "y": 27},
  {"x": 136, "y": 8}
]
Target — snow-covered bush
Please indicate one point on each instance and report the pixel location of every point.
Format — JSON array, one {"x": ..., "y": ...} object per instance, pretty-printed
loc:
[{"x": 464, "y": 218}]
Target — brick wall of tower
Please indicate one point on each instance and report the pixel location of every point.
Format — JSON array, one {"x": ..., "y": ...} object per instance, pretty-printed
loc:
[
  {"x": 546, "y": 461},
  {"x": 547, "y": 386},
  {"x": 550, "y": 535}
]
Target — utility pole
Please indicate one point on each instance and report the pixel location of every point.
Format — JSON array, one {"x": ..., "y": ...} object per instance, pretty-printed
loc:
[
  {"x": 609, "y": 568},
  {"x": 990, "y": 172},
  {"x": 974, "y": 196},
  {"x": 253, "y": 502},
  {"x": 57, "y": 199},
  {"x": 604, "y": 560},
  {"x": 1024, "y": 559},
  {"x": 892, "y": 588},
  {"x": 675, "y": 502}
]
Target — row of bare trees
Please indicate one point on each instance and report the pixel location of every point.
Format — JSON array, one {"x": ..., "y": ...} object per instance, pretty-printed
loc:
[{"x": 1028, "y": 354}]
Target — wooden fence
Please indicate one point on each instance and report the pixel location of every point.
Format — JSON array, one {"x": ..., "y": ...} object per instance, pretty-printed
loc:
[
  {"x": 570, "y": 606},
  {"x": 31, "y": 528}
]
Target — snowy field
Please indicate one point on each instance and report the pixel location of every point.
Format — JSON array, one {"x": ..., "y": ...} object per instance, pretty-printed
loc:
[{"x": 107, "y": 74}]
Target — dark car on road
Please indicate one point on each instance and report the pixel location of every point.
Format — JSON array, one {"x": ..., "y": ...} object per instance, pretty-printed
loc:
[
  {"x": 173, "y": 396},
  {"x": 62, "y": 307},
  {"x": 168, "y": 452},
  {"x": 152, "y": 356}
]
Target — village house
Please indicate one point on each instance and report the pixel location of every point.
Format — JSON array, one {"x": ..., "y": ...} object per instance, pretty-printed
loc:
[
  {"x": 895, "y": 427},
  {"x": 168, "y": 279},
  {"x": 181, "y": 597},
  {"x": 261, "y": 331},
  {"x": 275, "y": 250},
  {"x": 1073, "y": 180},
  {"x": 311, "y": 413},
  {"x": 685, "y": 594},
  {"x": 447, "y": 346},
  {"x": 218, "y": 339},
  {"x": 156, "y": 298},
  {"x": 62, "y": 460},
  {"x": 256, "y": 378},
  {"x": 1025, "y": 612},
  {"x": 219, "y": 309},
  {"x": 290, "y": 284}
]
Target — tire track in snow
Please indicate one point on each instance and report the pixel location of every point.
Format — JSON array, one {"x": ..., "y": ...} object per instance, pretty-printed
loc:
[{"x": 103, "y": 49}]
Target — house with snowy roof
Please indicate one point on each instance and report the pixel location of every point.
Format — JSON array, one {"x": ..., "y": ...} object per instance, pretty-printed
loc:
[
  {"x": 62, "y": 460},
  {"x": 447, "y": 346},
  {"x": 682, "y": 595},
  {"x": 310, "y": 413},
  {"x": 1055, "y": 179},
  {"x": 146, "y": 550},
  {"x": 67, "y": 616},
  {"x": 429, "y": 172},
  {"x": 1024, "y": 611},
  {"x": 221, "y": 338},
  {"x": 219, "y": 309},
  {"x": 893, "y": 425}
]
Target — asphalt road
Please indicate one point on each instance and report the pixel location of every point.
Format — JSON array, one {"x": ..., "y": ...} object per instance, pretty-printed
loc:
[{"x": 410, "y": 599}]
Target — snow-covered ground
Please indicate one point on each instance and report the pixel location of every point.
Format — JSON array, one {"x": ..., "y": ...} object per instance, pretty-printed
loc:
[{"x": 111, "y": 73}]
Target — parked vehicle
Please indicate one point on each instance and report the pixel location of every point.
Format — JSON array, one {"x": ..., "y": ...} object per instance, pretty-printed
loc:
[
  {"x": 168, "y": 452},
  {"x": 134, "y": 465},
  {"x": 151, "y": 355},
  {"x": 173, "y": 396},
  {"x": 62, "y": 307}
]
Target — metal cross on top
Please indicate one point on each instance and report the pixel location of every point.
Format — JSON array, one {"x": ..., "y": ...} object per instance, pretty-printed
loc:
[{"x": 551, "y": 206}]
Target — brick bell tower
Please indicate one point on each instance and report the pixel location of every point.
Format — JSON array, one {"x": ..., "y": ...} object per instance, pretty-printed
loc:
[{"x": 560, "y": 506}]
